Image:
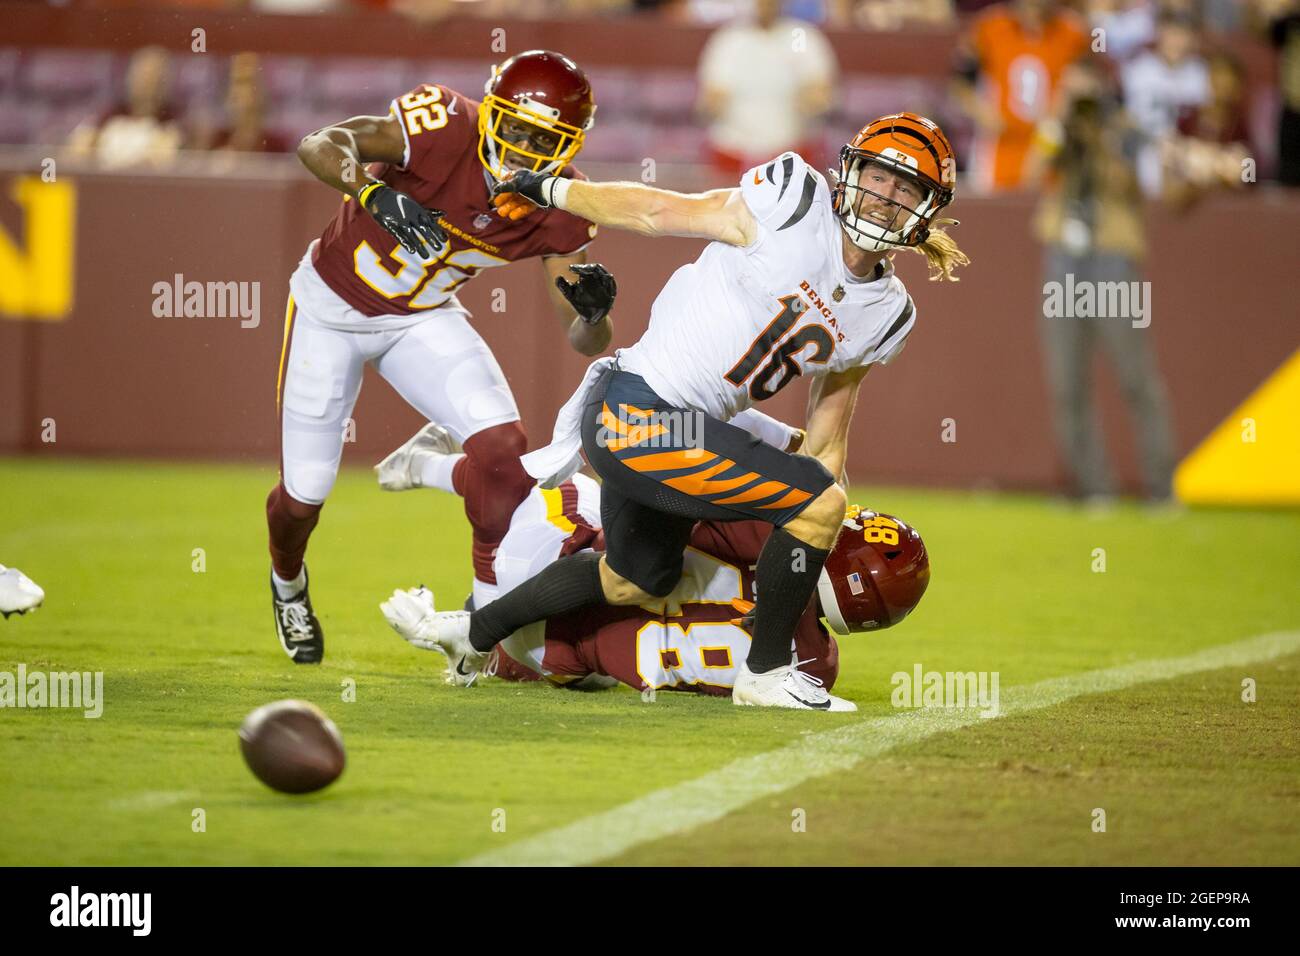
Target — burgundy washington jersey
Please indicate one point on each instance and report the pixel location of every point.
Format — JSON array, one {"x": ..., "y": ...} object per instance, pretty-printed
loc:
[
  {"x": 692, "y": 646},
  {"x": 365, "y": 265}
]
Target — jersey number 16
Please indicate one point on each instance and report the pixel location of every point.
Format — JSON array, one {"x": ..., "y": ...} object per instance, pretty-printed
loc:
[{"x": 782, "y": 360}]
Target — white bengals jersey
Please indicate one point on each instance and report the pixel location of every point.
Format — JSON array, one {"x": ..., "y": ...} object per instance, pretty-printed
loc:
[{"x": 740, "y": 323}]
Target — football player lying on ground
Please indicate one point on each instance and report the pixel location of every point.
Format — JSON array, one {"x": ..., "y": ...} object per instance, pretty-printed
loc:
[
  {"x": 434, "y": 451},
  {"x": 379, "y": 287},
  {"x": 796, "y": 280},
  {"x": 695, "y": 638}
]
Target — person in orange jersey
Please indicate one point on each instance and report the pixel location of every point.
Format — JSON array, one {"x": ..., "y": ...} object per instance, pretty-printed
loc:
[{"x": 1008, "y": 73}]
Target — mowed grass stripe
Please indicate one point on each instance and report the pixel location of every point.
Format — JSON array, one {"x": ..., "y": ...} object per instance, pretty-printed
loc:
[{"x": 714, "y": 795}]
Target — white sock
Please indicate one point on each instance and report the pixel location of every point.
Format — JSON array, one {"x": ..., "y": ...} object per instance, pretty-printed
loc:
[
  {"x": 287, "y": 590},
  {"x": 484, "y": 593},
  {"x": 436, "y": 470}
]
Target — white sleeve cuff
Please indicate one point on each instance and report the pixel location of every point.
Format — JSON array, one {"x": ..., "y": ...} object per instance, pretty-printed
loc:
[{"x": 559, "y": 191}]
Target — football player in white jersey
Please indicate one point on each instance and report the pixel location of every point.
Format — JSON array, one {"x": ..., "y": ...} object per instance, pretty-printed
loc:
[{"x": 796, "y": 280}]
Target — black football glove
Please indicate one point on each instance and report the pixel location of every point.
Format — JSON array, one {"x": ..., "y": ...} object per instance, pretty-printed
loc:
[
  {"x": 410, "y": 223},
  {"x": 593, "y": 294},
  {"x": 533, "y": 186}
]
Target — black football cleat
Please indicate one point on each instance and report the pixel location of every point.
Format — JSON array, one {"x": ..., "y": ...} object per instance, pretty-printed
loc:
[{"x": 296, "y": 625}]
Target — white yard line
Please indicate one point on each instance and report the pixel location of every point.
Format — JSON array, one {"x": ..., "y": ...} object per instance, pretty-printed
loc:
[
  {"x": 719, "y": 792},
  {"x": 152, "y": 800}
]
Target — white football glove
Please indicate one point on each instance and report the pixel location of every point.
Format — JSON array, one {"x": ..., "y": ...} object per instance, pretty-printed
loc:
[{"x": 407, "y": 612}]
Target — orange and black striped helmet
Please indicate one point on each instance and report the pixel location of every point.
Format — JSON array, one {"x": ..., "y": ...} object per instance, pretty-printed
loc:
[{"x": 908, "y": 145}]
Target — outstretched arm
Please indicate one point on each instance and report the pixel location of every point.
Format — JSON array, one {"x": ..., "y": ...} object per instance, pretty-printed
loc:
[{"x": 720, "y": 214}]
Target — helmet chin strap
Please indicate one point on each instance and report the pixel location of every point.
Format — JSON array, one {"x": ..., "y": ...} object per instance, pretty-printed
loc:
[{"x": 830, "y": 604}]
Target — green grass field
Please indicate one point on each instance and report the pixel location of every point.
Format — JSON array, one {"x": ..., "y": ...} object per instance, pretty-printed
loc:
[{"x": 1186, "y": 771}]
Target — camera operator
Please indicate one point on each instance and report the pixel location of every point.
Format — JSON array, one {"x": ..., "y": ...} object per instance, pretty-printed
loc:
[{"x": 1090, "y": 220}]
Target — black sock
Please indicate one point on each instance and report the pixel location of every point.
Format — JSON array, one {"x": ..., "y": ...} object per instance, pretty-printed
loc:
[
  {"x": 568, "y": 584},
  {"x": 785, "y": 579}
]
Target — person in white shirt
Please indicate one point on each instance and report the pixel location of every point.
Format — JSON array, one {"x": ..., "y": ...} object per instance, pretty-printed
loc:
[
  {"x": 795, "y": 281},
  {"x": 1160, "y": 84},
  {"x": 764, "y": 82}
]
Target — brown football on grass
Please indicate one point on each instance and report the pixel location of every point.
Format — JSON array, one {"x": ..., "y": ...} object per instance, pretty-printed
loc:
[{"x": 291, "y": 746}]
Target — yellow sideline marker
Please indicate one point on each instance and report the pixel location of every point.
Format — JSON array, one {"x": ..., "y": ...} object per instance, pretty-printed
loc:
[{"x": 1253, "y": 457}]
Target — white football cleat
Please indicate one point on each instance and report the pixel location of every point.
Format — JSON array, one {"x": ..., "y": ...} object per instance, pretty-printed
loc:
[
  {"x": 412, "y": 615},
  {"x": 400, "y": 471},
  {"x": 18, "y": 593},
  {"x": 785, "y": 687}
]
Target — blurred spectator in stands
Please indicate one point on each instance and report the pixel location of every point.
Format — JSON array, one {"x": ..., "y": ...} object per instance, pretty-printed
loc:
[
  {"x": 1090, "y": 221},
  {"x": 432, "y": 11},
  {"x": 1159, "y": 85},
  {"x": 293, "y": 6},
  {"x": 245, "y": 129},
  {"x": 839, "y": 14},
  {"x": 882, "y": 15},
  {"x": 1127, "y": 26},
  {"x": 1222, "y": 16},
  {"x": 1284, "y": 33},
  {"x": 141, "y": 130},
  {"x": 1212, "y": 142},
  {"x": 1007, "y": 74},
  {"x": 765, "y": 82}
]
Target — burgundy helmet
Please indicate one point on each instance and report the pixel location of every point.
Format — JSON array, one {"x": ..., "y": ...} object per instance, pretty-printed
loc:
[
  {"x": 536, "y": 111},
  {"x": 875, "y": 575}
]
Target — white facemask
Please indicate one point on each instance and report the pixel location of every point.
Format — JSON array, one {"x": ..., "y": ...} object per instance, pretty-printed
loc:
[{"x": 867, "y": 234}]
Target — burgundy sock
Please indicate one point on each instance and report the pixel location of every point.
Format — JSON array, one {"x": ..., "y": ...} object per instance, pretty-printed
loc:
[
  {"x": 493, "y": 484},
  {"x": 290, "y": 523}
]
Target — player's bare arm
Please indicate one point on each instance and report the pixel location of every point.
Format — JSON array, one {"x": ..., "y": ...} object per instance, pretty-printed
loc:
[
  {"x": 830, "y": 412},
  {"x": 337, "y": 155},
  {"x": 720, "y": 214},
  {"x": 589, "y": 334}
]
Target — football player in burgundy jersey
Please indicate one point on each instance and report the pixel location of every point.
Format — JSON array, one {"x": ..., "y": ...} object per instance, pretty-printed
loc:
[
  {"x": 697, "y": 637},
  {"x": 379, "y": 287}
]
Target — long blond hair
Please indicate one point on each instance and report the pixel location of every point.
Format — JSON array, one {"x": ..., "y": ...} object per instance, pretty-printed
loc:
[{"x": 942, "y": 254}]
